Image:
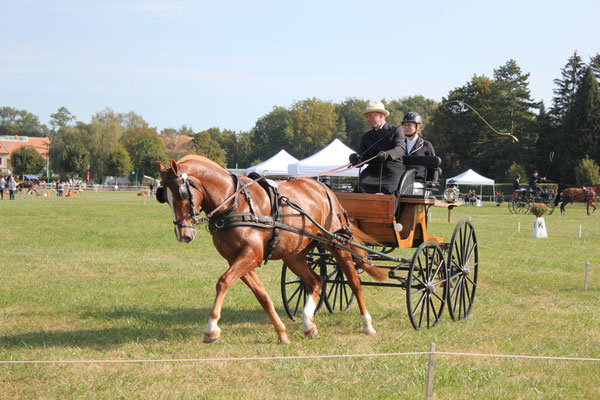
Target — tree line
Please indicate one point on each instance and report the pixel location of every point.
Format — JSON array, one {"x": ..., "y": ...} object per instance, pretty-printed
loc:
[{"x": 464, "y": 128}]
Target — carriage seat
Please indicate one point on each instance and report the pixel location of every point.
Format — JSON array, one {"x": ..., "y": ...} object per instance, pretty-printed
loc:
[{"x": 431, "y": 163}]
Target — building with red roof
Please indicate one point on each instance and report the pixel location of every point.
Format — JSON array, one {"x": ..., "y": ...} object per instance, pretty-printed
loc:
[{"x": 8, "y": 144}]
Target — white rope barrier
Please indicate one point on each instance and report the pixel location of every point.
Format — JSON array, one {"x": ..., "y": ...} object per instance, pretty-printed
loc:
[
  {"x": 223, "y": 359},
  {"x": 289, "y": 358}
]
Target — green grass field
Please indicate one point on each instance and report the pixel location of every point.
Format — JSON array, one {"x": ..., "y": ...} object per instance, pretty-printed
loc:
[{"x": 101, "y": 277}]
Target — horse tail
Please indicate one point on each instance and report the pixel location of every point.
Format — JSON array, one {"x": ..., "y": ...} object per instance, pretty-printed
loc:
[{"x": 360, "y": 237}]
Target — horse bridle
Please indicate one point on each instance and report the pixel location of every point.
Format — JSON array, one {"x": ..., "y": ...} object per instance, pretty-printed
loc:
[{"x": 183, "y": 183}]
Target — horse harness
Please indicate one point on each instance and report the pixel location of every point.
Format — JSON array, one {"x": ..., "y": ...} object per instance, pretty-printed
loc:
[{"x": 229, "y": 219}]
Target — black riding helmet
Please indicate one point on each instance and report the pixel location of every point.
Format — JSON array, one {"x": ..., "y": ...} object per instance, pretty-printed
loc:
[{"x": 412, "y": 116}]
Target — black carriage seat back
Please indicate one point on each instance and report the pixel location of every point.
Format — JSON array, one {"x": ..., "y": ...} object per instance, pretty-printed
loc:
[{"x": 431, "y": 163}]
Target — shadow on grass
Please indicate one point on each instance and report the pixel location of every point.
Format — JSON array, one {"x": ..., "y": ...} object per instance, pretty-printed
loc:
[{"x": 133, "y": 326}]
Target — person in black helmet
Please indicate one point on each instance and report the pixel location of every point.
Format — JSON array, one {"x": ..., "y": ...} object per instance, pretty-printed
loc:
[
  {"x": 386, "y": 142},
  {"x": 412, "y": 124}
]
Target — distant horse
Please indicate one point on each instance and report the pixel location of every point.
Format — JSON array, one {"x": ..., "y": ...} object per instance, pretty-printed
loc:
[
  {"x": 244, "y": 232},
  {"x": 579, "y": 195},
  {"x": 29, "y": 185}
]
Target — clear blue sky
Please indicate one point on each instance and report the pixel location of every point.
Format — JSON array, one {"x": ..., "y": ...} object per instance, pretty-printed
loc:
[{"x": 227, "y": 63}]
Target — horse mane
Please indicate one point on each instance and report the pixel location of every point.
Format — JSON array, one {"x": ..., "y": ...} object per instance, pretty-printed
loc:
[{"x": 202, "y": 159}]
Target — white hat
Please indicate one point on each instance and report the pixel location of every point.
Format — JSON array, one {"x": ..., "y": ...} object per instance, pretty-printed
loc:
[{"x": 376, "y": 106}]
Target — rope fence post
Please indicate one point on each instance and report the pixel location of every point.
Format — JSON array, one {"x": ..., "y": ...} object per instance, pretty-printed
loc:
[
  {"x": 587, "y": 272},
  {"x": 518, "y": 227},
  {"x": 429, "y": 389},
  {"x": 579, "y": 231}
]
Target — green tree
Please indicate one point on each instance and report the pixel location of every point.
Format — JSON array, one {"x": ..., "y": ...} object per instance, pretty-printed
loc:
[
  {"x": 272, "y": 132},
  {"x": 587, "y": 172},
  {"x": 464, "y": 140},
  {"x": 26, "y": 160},
  {"x": 595, "y": 64},
  {"x": 20, "y": 123},
  {"x": 204, "y": 145},
  {"x": 145, "y": 148},
  {"x": 564, "y": 94},
  {"x": 61, "y": 119},
  {"x": 69, "y": 150},
  {"x": 514, "y": 170},
  {"x": 582, "y": 126},
  {"x": 314, "y": 125},
  {"x": 117, "y": 162},
  {"x": 355, "y": 125},
  {"x": 105, "y": 131},
  {"x": 75, "y": 159}
]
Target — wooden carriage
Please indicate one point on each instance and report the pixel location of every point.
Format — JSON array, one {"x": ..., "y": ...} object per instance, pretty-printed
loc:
[{"x": 437, "y": 274}]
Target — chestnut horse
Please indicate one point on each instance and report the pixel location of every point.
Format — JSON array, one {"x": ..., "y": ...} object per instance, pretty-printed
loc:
[
  {"x": 195, "y": 184},
  {"x": 579, "y": 195}
]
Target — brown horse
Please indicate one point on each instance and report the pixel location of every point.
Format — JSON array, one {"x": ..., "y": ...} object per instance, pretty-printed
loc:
[
  {"x": 579, "y": 195},
  {"x": 196, "y": 184}
]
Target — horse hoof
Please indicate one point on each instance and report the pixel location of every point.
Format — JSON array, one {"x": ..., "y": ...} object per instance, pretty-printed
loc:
[
  {"x": 285, "y": 342},
  {"x": 211, "y": 337},
  {"x": 311, "y": 333},
  {"x": 369, "y": 332}
]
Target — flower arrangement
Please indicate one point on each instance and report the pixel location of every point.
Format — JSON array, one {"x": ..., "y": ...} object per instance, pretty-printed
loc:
[{"x": 538, "y": 209}]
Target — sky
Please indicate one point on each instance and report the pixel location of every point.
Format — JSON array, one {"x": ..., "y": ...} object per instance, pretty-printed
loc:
[{"x": 227, "y": 63}]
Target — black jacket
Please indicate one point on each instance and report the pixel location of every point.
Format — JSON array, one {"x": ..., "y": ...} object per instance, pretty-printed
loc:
[
  {"x": 422, "y": 148},
  {"x": 390, "y": 139}
]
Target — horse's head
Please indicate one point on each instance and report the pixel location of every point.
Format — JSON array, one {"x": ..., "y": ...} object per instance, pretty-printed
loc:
[{"x": 183, "y": 195}]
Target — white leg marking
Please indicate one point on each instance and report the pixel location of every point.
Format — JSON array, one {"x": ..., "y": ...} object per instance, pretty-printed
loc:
[
  {"x": 367, "y": 327},
  {"x": 308, "y": 314},
  {"x": 212, "y": 326}
]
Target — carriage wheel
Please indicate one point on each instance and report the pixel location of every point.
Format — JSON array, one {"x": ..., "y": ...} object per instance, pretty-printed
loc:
[
  {"x": 463, "y": 263},
  {"x": 523, "y": 206},
  {"x": 511, "y": 206},
  {"x": 293, "y": 290},
  {"x": 338, "y": 295},
  {"x": 426, "y": 286}
]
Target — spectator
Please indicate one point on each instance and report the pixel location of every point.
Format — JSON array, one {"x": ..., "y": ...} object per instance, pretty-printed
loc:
[
  {"x": 2, "y": 185},
  {"x": 12, "y": 187}
]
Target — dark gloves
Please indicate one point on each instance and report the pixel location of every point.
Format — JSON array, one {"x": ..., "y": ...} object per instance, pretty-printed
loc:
[
  {"x": 382, "y": 156},
  {"x": 354, "y": 159}
]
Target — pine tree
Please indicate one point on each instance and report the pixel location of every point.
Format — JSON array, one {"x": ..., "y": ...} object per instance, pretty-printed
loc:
[
  {"x": 567, "y": 86},
  {"x": 582, "y": 123}
]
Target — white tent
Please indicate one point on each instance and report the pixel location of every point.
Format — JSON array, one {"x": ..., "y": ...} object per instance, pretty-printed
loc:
[
  {"x": 471, "y": 177},
  {"x": 276, "y": 165},
  {"x": 333, "y": 156}
]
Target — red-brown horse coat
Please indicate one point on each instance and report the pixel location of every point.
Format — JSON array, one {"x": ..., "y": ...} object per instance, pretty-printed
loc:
[
  {"x": 577, "y": 195},
  {"x": 244, "y": 247}
]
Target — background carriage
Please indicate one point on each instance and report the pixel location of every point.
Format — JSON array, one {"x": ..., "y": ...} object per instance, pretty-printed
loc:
[{"x": 523, "y": 198}]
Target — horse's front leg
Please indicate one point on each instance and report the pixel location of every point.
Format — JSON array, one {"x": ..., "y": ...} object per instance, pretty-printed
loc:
[
  {"x": 240, "y": 267},
  {"x": 253, "y": 281}
]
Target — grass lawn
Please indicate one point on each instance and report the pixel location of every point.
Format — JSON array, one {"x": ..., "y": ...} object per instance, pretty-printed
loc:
[{"x": 100, "y": 276}]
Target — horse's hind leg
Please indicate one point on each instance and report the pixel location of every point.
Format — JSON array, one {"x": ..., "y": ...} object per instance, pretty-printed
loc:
[
  {"x": 253, "y": 281},
  {"x": 313, "y": 282},
  {"x": 344, "y": 260}
]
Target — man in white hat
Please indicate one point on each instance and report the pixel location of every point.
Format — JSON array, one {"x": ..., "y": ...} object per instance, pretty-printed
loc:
[{"x": 382, "y": 175}]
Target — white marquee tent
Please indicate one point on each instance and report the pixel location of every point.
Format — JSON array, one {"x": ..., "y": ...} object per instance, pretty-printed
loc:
[
  {"x": 471, "y": 177},
  {"x": 276, "y": 165},
  {"x": 333, "y": 156}
]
